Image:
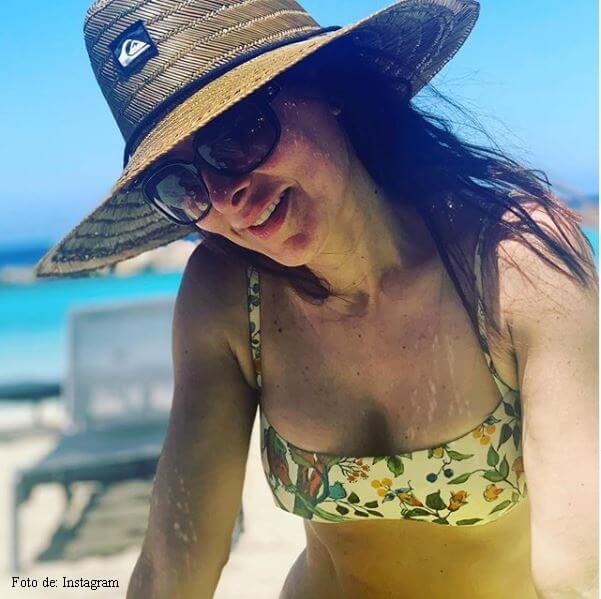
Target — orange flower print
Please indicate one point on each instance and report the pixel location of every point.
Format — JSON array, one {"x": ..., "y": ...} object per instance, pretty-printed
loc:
[
  {"x": 484, "y": 433},
  {"x": 518, "y": 467},
  {"x": 492, "y": 492},
  {"x": 438, "y": 452},
  {"x": 354, "y": 469},
  {"x": 458, "y": 498},
  {"x": 410, "y": 499}
]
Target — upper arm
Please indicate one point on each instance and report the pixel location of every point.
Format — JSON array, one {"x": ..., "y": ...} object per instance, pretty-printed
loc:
[
  {"x": 197, "y": 491},
  {"x": 554, "y": 323}
]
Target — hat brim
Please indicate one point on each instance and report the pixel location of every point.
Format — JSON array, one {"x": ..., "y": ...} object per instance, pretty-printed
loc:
[{"x": 414, "y": 40}]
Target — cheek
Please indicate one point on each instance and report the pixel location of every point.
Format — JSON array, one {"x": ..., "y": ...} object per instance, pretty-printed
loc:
[
  {"x": 217, "y": 224},
  {"x": 313, "y": 150}
]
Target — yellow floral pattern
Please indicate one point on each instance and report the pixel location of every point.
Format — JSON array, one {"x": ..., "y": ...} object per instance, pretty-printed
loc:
[
  {"x": 468, "y": 481},
  {"x": 460, "y": 483}
]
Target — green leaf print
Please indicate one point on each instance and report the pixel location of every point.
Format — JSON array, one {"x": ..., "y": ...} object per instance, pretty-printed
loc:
[
  {"x": 435, "y": 502},
  {"x": 493, "y": 476},
  {"x": 360, "y": 513},
  {"x": 509, "y": 409},
  {"x": 455, "y": 455},
  {"x": 378, "y": 459},
  {"x": 273, "y": 440},
  {"x": 337, "y": 491},
  {"x": 280, "y": 446},
  {"x": 353, "y": 498},
  {"x": 506, "y": 432},
  {"x": 305, "y": 509},
  {"x": 374, "y": 513},
  {"x": 492, "y": 457},
  {"x": 440, "y": 521},
  {"x": 395, "y": 465},
  {"x": 515, "y": 497},
  {"x": 501, "y": 506},
  {"x": 371, "y": 504},
  {"x": 518, "y": 409},
  {"x": 467, "y": 521},
  {"x": 302, "y": 507},
  {"x": 517, "y": 436},
  {"x": 460, "y": 479},
  {"x": 417, "y": 511},
  {"x": 342, "y": 510},
  {"x": 300, "y": 459},
  {"x": 504, "y": 468}
]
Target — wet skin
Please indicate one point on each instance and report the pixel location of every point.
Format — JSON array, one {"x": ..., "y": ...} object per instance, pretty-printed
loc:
[{"x": 390, "y": 365}]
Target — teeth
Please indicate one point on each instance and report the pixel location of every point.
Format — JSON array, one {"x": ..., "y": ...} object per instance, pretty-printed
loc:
[{"x": 268, "y": 211}]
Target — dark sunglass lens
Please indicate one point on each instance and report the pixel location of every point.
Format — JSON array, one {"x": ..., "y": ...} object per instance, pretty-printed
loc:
[
  {"x": 180, "y": 192},
  {"x": 246, "y": 138}
]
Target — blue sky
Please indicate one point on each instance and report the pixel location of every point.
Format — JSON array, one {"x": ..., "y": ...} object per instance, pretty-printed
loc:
[{"x": 528, "y": 71}]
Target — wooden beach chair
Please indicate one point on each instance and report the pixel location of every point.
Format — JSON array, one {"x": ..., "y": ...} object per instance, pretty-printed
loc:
[{"x": 118, "y": 395}]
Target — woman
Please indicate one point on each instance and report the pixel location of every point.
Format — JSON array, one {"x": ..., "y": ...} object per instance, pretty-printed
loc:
[{"x": 414, "y": 315}]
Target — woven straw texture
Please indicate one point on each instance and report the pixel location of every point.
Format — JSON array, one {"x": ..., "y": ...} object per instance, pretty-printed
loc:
[{"x": 210, "y": 55}]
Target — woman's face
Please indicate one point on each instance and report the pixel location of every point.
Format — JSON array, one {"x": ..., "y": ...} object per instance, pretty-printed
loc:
[{"x": 307, "y": 174}]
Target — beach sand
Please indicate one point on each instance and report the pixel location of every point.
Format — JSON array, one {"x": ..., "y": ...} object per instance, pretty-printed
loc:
[{"x": 54, "y": 545}]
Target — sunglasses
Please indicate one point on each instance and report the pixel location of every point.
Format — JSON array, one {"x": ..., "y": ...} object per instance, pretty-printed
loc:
[{"x": 235, "y": 143}]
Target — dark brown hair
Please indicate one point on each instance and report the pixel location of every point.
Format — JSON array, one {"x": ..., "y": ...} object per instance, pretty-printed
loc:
[{"x": 457, "y": 187}]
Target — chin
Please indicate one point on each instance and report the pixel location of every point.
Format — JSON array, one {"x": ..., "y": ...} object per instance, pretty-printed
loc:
[
  {"x": 302, "y": 246},
  {"x": 299, "y": 242},
  {"x": 296, "y": 250}
]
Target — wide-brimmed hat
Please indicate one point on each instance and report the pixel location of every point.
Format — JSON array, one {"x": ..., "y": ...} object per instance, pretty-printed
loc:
[{"x": 169, "y": 67}]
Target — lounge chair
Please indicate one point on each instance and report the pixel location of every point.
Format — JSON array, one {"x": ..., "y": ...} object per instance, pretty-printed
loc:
[{"x": 118, "y": 395}]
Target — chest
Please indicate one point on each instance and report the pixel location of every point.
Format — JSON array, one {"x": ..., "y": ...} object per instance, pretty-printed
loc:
[{"x": 409, "y": 376}]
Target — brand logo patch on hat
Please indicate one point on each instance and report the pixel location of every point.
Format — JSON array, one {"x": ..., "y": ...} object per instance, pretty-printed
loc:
[{"x": 133, "y": 48}]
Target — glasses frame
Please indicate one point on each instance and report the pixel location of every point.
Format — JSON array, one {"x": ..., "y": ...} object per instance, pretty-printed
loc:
[{"x": 262, "y": 101}]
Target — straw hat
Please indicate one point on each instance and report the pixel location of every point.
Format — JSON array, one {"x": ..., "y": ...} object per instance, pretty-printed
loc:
[{"x": 168, "y": 67}]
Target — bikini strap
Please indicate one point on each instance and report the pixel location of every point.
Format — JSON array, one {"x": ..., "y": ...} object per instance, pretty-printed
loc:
[
  {"x": 254, "y": 318},
  {"x": 503, "y": 387}
]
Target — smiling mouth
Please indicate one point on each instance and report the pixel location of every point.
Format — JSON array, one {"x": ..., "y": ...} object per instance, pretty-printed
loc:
[
  {"x": 264, "y": 216},
  {"x": 272, "y": 216}
]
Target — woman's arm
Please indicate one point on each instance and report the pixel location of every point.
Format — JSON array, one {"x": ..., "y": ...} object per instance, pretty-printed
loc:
[
  {"x": 197, "y": 490},
  {"x": 554, "y": 324}
]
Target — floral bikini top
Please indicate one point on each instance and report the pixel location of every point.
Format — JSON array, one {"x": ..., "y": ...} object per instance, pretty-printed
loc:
[{"x": 468, "y": 481}]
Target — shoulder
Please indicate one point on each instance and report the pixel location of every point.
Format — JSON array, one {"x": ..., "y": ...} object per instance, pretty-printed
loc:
[
  {"x": 536, "y": 287},
  {"x": 216, "y": 278},
  {"x": 212, "y": 296}
]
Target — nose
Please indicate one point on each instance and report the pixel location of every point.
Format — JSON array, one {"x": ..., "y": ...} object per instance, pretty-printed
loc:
[{"x": 228, "y": 193}]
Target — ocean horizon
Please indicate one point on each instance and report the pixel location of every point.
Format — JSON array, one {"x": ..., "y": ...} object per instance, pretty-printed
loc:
[{"x": 34, "y": 314}]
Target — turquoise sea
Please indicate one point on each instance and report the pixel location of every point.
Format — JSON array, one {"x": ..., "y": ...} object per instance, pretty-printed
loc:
[{"x": 33, "y": 316}]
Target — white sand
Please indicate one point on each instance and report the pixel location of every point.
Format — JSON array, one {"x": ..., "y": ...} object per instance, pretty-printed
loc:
[{"x": 257, "y": 567}]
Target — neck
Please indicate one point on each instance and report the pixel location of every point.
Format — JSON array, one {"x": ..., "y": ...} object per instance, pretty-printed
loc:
[{"x": 372, "y": 250}]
